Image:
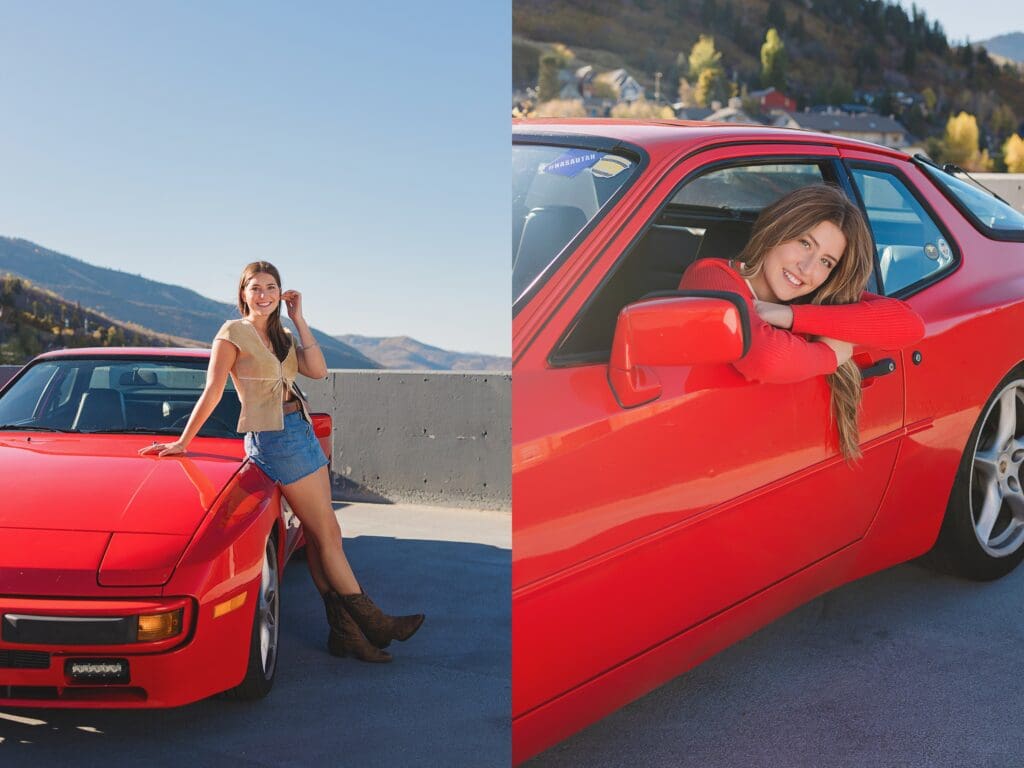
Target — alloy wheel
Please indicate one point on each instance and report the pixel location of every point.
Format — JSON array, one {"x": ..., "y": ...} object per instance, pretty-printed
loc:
[
  {"x": 269, "y": 609},
  {"x": 996, "y": 492}
]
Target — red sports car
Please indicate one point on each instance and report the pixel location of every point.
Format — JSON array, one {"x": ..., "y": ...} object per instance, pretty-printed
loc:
[
  {"x": 665, "y": 506},
  {"x": 128, "y": 580}
]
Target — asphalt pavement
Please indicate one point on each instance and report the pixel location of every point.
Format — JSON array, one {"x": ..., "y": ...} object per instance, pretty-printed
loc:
[
  {"x": 443, "y": 701},
  {"x": 904, "y": 668}
]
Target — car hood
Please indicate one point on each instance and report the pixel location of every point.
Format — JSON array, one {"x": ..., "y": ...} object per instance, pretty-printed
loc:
[
  {"x": 99, "y": 483},
  {"x": 71, "y": 502}
]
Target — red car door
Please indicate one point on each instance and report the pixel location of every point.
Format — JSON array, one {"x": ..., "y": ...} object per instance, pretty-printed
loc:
[{"x": 633, "y": 525}]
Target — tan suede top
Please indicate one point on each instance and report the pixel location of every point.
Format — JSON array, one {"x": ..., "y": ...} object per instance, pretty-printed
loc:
[{"x": 260, "y": 378}]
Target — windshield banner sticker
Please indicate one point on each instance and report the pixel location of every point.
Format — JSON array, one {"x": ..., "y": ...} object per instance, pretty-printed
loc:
[{"x": 571, "y": 162}]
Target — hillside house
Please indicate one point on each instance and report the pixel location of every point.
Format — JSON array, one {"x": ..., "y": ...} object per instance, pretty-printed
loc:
[
  {"x": 770, "y": 99},
  {"x": 733, "y": 113},
  {"x": 629, "y": 89},
  {"x": 877, "y": 129}
]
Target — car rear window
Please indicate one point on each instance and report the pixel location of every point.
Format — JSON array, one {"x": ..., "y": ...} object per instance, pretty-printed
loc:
[{"x": 989, "y": 213}]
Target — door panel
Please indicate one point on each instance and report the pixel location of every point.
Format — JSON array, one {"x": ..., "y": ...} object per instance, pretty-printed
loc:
[
  {"x": 632, "y": 525},
  {"x": 679, "y": 508}
]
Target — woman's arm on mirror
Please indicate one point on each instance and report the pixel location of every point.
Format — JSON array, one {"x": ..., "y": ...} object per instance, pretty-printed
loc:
[{"x": 874, "y": 321}]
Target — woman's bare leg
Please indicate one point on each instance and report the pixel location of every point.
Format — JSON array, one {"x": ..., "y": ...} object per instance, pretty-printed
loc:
[
  {"x": 310, "y": 500},
  {"x": 316, "y": 569}
]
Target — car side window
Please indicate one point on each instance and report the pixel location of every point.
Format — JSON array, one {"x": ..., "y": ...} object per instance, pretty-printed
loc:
[
  {"x": 911, "y": 247},
  {"x": 710, "y": 215},
  {"x": 746, "y": 187}
]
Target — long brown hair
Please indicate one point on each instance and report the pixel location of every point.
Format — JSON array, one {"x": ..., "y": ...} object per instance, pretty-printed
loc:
[
  {"x": 788, "y": 218},
  {"x": 280, "y": 340}
]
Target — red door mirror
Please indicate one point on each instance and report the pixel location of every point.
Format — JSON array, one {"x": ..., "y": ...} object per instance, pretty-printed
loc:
[{"x": 680, "y": 329}]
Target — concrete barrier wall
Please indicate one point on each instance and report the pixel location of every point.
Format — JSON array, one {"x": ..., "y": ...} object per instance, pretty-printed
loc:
[
  {"x": 1009, "y": 186},
  {"x": 421, "y": 436},
  {"x": 427, "y": 437}
]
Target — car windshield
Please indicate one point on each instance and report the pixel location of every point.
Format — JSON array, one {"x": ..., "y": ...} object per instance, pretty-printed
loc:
[
  {"x": 989, "y": 210},
  {"x": 114, "y": 395},
  {"x": 556, "y": 192}
]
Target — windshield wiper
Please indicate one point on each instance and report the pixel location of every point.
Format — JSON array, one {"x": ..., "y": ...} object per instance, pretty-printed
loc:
[
  {"x": 953, "y": 170},
  {"x": 32, "y": 428}
]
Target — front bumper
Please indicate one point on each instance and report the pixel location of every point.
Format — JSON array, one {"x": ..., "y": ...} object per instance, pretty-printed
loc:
[{"x": 207, "y": 656}]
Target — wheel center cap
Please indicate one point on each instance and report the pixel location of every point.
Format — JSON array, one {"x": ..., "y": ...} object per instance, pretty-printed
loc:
[{"x": 1004, "y": 463}]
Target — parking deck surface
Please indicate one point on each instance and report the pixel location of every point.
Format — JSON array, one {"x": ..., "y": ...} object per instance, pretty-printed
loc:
[
  {"x": 443, "y": 701},
  {"x": 904, "y": 668}
]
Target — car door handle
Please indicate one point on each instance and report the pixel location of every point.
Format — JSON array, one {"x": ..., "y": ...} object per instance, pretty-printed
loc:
[{"x": 883, "y": 367}]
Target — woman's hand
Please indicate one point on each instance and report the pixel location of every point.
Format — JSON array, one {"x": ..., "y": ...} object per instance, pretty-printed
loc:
[
  {"x": 843, "y": 349},
  {"x": 779, "y": 315},
  {"x": 293, "y": 303},
  {"x": 164, "y": 449}
]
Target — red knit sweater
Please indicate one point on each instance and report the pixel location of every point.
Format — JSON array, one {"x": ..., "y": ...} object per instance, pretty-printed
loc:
[{"x": 778, "y": 356}]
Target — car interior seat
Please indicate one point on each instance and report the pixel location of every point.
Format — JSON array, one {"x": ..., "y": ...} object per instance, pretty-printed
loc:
[
  {"x": 901, "y": 265},
  {"x": 546, "y": 231},
  {"x": 100, "y": 409},
  {"x": 724, "y": 239}
]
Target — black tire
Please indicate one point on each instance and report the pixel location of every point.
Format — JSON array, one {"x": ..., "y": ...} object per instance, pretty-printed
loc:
[
  {"x": 960, "y": 549},
  {"x": 263, "y": 640}
]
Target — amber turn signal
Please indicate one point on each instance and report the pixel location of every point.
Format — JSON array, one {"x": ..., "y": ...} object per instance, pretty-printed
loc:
[
  {"x": 159, "y": 626},
  {"x": 229, "y": 605}
]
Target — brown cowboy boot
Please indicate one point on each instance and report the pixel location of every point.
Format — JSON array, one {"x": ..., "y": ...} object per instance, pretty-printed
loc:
[
  {"x": 379, "y": 628},
  {"x": 345, "y": 638}
]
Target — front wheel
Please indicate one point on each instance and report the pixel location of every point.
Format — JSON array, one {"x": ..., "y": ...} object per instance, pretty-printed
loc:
[
  {"x": 982, "y": 535},
  {"x": 259, "y": 674}
]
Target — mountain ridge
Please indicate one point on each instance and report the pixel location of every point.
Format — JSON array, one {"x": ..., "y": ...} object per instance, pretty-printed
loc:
[
  {"x": 1009, "y": 46},
  {"x": 405, "y": 352},
  {"x": 133, "y": 299}
]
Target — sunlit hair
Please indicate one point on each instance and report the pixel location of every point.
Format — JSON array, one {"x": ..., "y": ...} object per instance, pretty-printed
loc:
[
  {"x": 275, "y": 330},
  {"x": 792, "y": 216}
]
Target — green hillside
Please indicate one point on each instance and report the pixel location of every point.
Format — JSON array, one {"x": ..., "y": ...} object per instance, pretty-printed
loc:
[{"x": 34, "y": 320}]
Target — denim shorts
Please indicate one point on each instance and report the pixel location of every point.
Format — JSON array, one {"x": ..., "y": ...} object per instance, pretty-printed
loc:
[{"x": 289, "y": 454}]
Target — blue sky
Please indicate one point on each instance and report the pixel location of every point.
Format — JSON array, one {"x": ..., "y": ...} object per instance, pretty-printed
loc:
[
  {"x": 361, "y": 147},
  {"x": 974, "y": 20}
]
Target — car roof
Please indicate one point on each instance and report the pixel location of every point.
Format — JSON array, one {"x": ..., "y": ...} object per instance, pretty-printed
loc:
[
  {"x": 657, "y": 134},
  {"x": 187, "y": 353}
]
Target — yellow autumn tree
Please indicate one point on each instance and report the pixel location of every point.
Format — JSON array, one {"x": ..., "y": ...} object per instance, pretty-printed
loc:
[
  {"x": 641, "y": 109},
  {"x": 560, "y": 108},
  {"x": 1013, "y": 154},
  {"x": 960, "y": 144},
  {"x": 551, "y": 63}
]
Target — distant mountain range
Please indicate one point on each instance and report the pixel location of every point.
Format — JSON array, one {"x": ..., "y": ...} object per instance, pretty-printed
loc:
[
  {"x": 158, "y": 307},
  {"x": 1009, "y": 46},
  {"x": 406, "y": 353}
]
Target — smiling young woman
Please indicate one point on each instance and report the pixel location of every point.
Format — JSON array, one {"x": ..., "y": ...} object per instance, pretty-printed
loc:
[
  {"x": 803, "y": 273},
  {"x": 262, "y": 360}
]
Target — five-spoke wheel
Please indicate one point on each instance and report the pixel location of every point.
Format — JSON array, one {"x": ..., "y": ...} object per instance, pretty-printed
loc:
[
  {"x": 982, "y": 536},
  {"x": 262, "y": 664}
]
